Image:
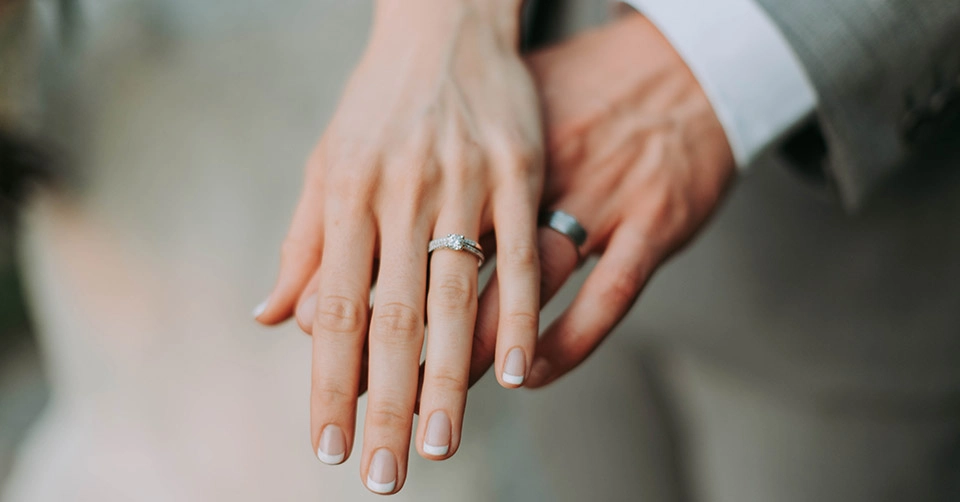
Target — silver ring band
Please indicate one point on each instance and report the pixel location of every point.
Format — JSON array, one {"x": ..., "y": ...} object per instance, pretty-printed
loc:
[
  {"x": 565, "y": 224},
  {"x": 457, "y": 242}
]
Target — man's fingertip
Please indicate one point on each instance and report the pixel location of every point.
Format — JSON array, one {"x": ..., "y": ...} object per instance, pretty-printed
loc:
[{"x": 539, "y": 372}]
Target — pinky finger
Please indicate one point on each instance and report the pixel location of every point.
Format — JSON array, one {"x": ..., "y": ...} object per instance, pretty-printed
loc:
[{"x": 603, "y": 301}]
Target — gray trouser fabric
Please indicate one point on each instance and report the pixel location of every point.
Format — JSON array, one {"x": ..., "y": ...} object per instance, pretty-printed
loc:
[
  {"x": 750, "y": 444},
  {"x": 654, "y": 424}
]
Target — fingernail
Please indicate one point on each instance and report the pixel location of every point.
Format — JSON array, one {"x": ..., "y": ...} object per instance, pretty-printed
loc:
[
  {"x": 383, "y": 472},
  {"x": 333, "y": 446},
  {"x": 306, "y": 309},
  {"x": 259, "y": 309},
  {"x": 514, "y": 367},
  {"x": 437, "y": 440},
  {"x": 539, "y": 371}
]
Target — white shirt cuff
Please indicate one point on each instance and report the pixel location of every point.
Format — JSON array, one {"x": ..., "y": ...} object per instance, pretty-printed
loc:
[{"x": 756, "y": 84}]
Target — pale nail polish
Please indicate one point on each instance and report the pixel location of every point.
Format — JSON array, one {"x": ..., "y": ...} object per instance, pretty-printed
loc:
[
  {"x": 259, "y": 309},
  {"x": 514, "y": 367},
  {"x": 333, "y": 445},
  {"x": 382, "y": 477},
  {"x": 437, "y": 439}
]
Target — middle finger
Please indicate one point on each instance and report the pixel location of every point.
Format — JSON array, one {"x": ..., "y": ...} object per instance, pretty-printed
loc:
[{"x": 395, "y": 342}]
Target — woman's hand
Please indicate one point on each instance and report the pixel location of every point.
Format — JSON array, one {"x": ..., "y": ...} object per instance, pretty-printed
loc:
[
  {"x": 638, "y": 156},
  {"x": 437, "y": 133}
]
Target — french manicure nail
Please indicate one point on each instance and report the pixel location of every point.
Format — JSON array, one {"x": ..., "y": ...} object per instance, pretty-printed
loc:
[
  {"x": 514, "y": 367},
  {"x": 333, "y": 446},
  {"x": 259, "y": 309},
  {"x": 437, "y": 440},
  {"x": 382, "y": 477}
]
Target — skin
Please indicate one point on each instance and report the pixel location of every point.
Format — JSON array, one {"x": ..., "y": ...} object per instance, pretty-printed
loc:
[
  {"x": 437, "y": 132},
  {"x": 637, "y": 155}
]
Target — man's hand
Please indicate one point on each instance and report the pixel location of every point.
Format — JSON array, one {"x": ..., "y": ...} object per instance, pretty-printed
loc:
[{"x": 637, "y": 155}]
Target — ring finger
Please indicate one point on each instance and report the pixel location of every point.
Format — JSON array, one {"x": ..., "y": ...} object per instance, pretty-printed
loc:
[{"x": 451, "y": 314}]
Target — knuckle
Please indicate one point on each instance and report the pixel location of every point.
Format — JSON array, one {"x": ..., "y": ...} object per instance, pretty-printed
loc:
[
  {"x": 431, "y": 174},
  {"x": 419, "y": 143},
  {"x": 413, "y": 181},
  {"x": 527, "y": 158},
  {"x": 349, "y": 184},
  {"x": 397, "y": 318},
  {"x": 466, "y": 159},
  {"x": 424, "y": 130},
  {"x": 448, "y": 381},
  {"x": 418, "y": 177},
  {"x": 623, "y": 288},
  {"x": 348, "y": 149},
  {"x": 577, "y": 345},
  {"x": 389, "y": 415},
  {"x": 339, "y": 314},
  {"x": 521, "y": 322},
  {"x": 351, "y": 170},
  {"x": 667, "y": 213},
  {"x": 471, "y": 155},
  {"x": 524, "y": 257},
  {"x": 454, "y": 292},
  {"x": 331, "y": 393},
  {"x": 524, "y": 159}
]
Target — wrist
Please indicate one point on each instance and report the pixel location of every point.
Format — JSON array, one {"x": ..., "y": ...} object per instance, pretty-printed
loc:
[
  {"x": 496, "y": 7},
  {"x": 437, "y": 18}
]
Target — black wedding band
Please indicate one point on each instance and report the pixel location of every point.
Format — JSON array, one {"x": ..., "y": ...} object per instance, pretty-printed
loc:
[{"x": 565, "y": 224}]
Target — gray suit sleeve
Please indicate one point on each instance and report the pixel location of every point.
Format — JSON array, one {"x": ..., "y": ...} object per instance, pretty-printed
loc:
[{"x": 886, "y": 71}]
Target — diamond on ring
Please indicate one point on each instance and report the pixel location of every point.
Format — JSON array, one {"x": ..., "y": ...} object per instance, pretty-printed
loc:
[{"x": 457, "y": 242}]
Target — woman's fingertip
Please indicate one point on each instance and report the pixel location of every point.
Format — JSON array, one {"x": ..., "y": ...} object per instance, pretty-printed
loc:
[
  {"x": 514, "y": 367},
  {"x": 261, "y": 308}
]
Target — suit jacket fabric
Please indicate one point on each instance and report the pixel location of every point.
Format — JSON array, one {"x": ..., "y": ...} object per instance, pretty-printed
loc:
[
  {"x": 789, "y": 289},
  {"x": 888, "y": 76}
]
